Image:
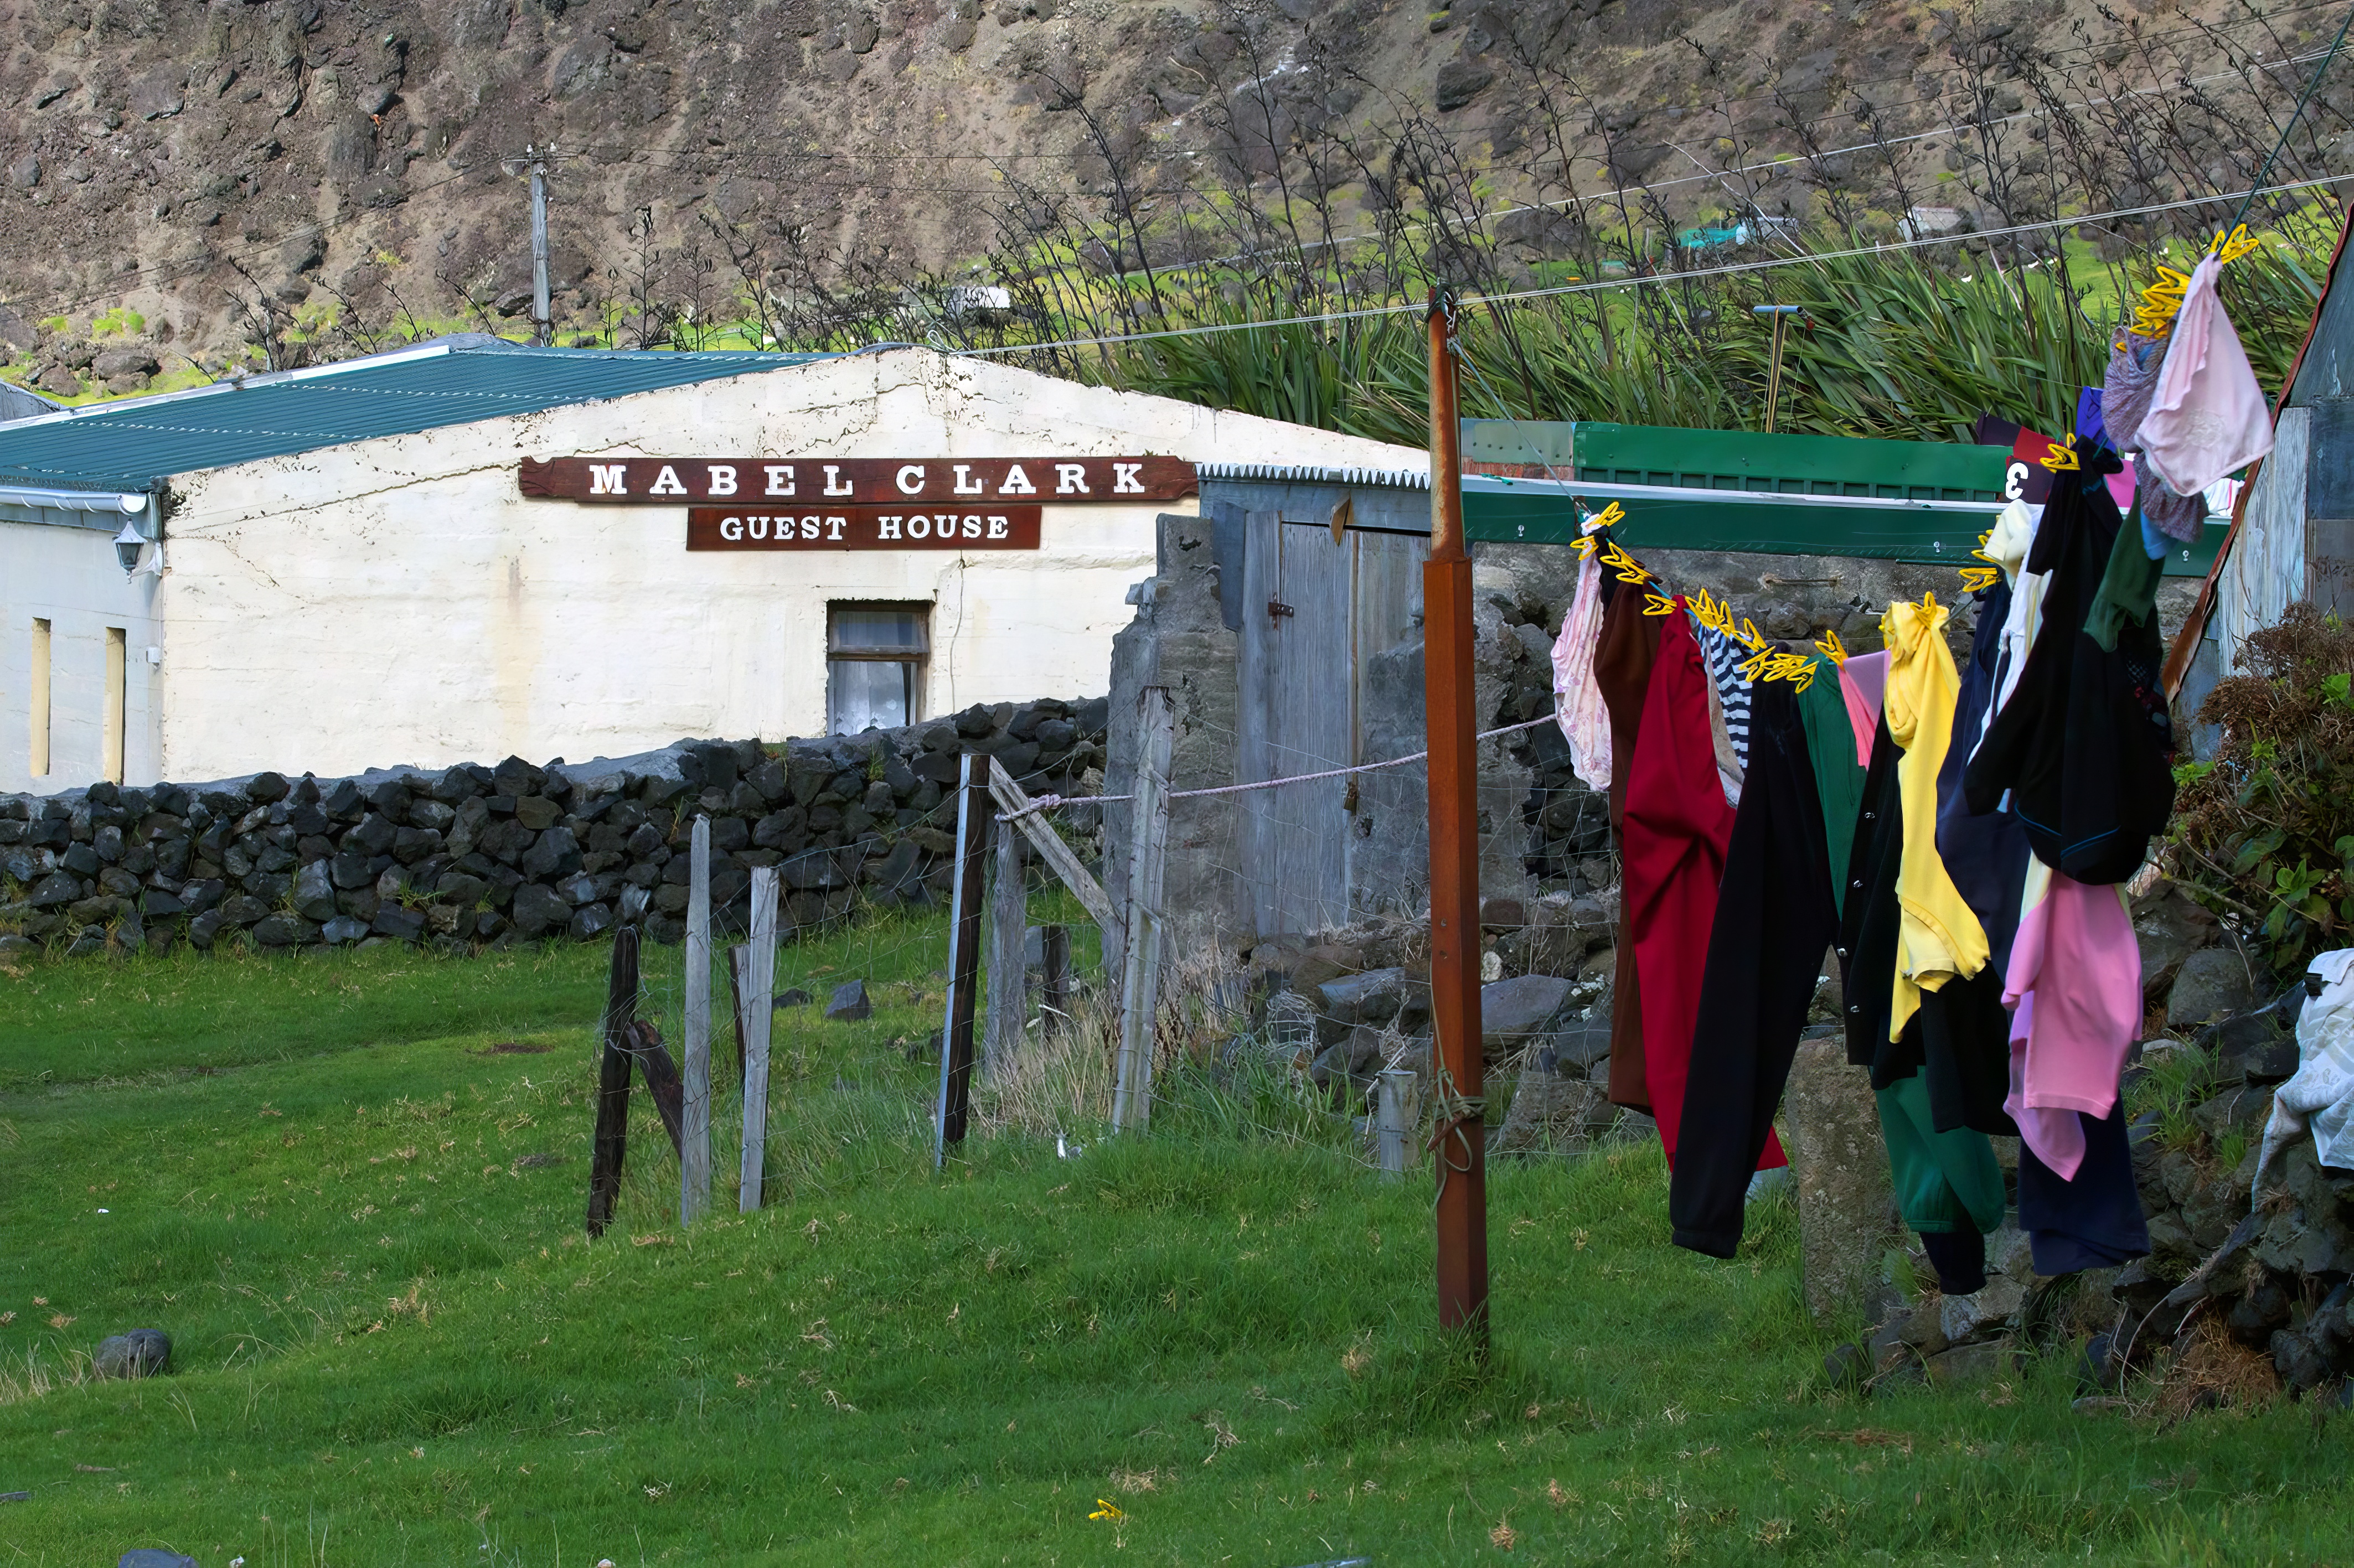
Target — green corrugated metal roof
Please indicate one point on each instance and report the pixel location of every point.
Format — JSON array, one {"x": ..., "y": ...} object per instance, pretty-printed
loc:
[{"x": 127, "y": 445}]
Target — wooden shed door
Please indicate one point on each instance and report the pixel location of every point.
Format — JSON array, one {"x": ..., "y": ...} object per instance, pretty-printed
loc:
[{"x": 1312, "y": 612}]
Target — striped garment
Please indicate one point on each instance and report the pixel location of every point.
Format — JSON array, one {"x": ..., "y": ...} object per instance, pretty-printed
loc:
[{"x": 1726, "y": 658}]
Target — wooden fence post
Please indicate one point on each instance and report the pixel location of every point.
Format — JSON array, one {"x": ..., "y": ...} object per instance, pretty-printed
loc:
[
  {"x": 663, "y": 1085},
  {"x": 1008, "y": 986},
  {"x": 695, "y": 1153},
  {"x": 761, "y": 985},
  {"x": 1059, "y": 858},
  {"x": 1054, "y": 977},
  {"x": 973, "y": 816},
  {"x": 612, "y": 1134},
  {"x": 1140, "y": 990},
  {"x": 739, "y": 981},
  {"x": 1394, "y": 1093}
]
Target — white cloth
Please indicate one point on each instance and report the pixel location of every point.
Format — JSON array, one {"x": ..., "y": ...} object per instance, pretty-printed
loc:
[
  {"x": 2322, "y": 1092},
  {"x": 2010, "y": 544},
  {"x": 2207, "y": 415},
  {"x": 1578, "y": 704}
]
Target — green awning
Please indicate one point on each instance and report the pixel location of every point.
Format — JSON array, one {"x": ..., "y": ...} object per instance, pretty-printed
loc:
[{"x": 1925, "y": 502}]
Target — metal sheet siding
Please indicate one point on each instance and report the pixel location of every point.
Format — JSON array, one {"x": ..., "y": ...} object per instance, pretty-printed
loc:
[{"x": 2266, "y": 571}]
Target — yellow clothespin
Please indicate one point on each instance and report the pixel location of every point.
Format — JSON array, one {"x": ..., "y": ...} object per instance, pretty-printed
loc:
[
  {"x": 2230, "y": 248},
  {"x": 1832, "y": 648},
  {"x": 1624, "y": 566},
  {"x": 1757, "y": 665},
  {"x": 2062, "y": 458},
  {"x": 1929, "y": 601},
  {"x": 1749, "y": 634},
  {"x": 2159, "y": 302},
  {"x": 1976, "y": 578},
  {"x": 1655, "y": 604},
  {"x": 1584, "y": 544},
  {"x": 1614, "y": 512}
]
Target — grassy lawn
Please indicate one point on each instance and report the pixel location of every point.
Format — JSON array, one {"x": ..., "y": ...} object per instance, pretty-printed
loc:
[{"x": 350, "y": 1187}]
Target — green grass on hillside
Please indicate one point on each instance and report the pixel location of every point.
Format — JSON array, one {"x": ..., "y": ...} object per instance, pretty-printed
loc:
[{"x": 350, "y": 1186}]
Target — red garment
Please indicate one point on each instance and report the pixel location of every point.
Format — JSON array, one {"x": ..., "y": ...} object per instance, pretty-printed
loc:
[
  {"x": 1623, "y": 657},
  {"x": 1678, "y": 826}
]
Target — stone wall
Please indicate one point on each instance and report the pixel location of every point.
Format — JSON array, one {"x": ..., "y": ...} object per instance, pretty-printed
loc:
[{"x": 472, "y": 856}]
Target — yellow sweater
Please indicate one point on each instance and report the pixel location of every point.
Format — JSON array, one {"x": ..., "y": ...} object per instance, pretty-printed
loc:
[{"x": 1938, "y": 936}]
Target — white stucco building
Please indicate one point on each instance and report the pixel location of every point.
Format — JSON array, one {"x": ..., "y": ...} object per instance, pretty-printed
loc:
[{"x": 339, "y": 568}]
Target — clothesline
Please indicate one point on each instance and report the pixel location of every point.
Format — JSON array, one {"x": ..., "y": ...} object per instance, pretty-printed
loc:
[{"x": 1046, "y": 802}]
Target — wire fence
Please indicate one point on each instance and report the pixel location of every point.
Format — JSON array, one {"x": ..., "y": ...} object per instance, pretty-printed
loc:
[{"x": 1280, "y": 1036}]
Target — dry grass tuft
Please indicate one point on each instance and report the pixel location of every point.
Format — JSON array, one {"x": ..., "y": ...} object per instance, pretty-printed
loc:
[
  {"x": 35, "y": 1376},
  {"x": 1061, "y": 1081},
  {"x": 2216, "y": 1371}
]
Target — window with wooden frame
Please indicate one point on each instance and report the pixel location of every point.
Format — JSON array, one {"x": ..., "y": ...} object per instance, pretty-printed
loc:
[{"x": 874, "y": 665}]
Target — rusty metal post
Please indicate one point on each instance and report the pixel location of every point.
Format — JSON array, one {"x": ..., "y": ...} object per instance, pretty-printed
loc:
[{"x": 1459, "y": 1136}]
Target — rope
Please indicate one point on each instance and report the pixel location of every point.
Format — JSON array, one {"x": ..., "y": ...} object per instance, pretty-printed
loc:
[
  {"x": 1046, "y": 802},
  {"x": 2294, "y": 116},
  {"x": 1456, "y": 1110}
]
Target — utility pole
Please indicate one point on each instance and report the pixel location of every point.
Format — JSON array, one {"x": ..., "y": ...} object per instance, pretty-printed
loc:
[
  {"x": 533, "y": 165},
  {"x": 1460, "y": 1133}
]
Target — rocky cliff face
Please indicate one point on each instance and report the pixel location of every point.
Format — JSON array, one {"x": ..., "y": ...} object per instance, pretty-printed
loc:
[{"x": 178, "y": 179}]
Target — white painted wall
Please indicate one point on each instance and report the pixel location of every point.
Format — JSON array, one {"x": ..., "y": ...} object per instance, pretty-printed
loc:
[
  {"x": 68, "y": 576},
  {"x": 399, "y": 601}
]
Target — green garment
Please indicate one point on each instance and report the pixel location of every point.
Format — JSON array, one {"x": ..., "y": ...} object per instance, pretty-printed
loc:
[
  {"x": 1946, "y": 1182},
  {"x": 2128, "y": 590},
  {"x": 1838, "y": 780}
]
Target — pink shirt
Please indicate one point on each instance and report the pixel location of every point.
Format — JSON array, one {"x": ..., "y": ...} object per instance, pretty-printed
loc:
[
  {"x": 2207, "y": 416},
  {"x": 2076, "y": 962},
  {"x": 1863, "y": 680},
  {"x": 1578, "y": 700}
]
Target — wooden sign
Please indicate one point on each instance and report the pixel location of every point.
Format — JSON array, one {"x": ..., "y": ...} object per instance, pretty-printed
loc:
[
  {"x": 863, "y": 528},
  {"x": 853, "y": 482}
]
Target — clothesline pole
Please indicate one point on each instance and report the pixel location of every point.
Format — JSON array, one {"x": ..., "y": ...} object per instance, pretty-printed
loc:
[{"x": 1459, "y": 1134}]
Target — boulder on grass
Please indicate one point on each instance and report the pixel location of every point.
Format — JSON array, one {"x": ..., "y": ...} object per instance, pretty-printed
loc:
[
  {"x": 849, "y": 1004},
  {"x": 142, "y": 1353}
]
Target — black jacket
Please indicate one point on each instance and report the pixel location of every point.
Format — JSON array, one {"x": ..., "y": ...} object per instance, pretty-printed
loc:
[
  {"x": 1773, "y": 919},
  {"x": 1961, "y": 1032},
  {"x": 2084, "y": 745}
]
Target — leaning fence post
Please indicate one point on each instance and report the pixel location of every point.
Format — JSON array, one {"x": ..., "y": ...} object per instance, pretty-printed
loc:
[
  {"x": 739, "y": 980},
  {"x": 974, "y": 814},
  {"x": 612, "y": 1134},
  {"x": 1393, "y": 1090},
  {"x": 1139, "y": 988},
  {"x": 1026, "y": 815},
  {"x": 761, "y": 981},
  {"x": 1054, "y": 977},
  {"x": 1008, "y": 989},
  {"x": 695, "y": 1153}
]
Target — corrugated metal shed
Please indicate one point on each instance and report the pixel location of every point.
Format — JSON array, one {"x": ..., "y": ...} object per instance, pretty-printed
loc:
[
  {"x": 129, "y": 445},
  {"x": 2293, "y": 537}
]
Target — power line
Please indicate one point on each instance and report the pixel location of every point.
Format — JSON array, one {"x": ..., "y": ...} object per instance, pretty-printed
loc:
[
  {"x": 1729, "y": 269},
  {"x": 2298, "y": 112},
  {"x": 169, "y": 271},
  {"x": 1790, "y": 160}
]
